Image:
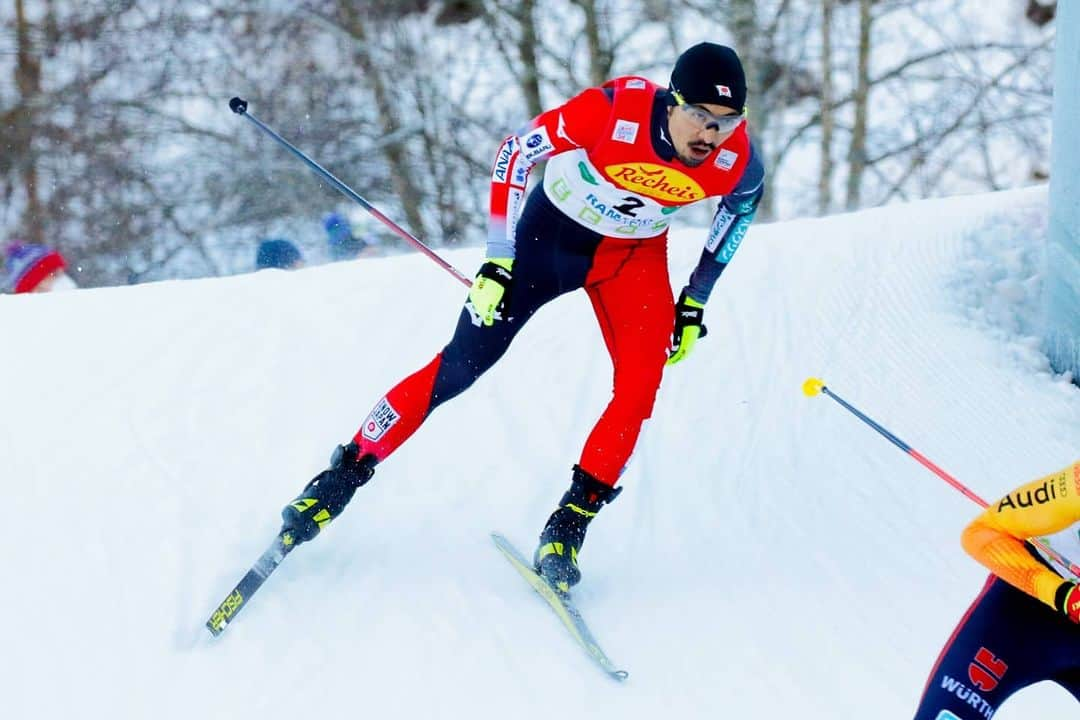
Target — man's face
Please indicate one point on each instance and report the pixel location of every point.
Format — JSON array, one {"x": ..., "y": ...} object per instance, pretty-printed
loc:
[{"x": 693, "y": 132}]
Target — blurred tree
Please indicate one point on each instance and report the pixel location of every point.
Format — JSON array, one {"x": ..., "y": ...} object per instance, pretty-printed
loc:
[
  {"x": 70, "y": 171},
  {"x": 118, "y": 147},
  {"x": 825, "y": 170},
  {"x": 860, "y": 100}
]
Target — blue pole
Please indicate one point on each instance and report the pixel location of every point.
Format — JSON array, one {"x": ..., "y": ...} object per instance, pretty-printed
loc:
[{"x": 888, "y": 435}]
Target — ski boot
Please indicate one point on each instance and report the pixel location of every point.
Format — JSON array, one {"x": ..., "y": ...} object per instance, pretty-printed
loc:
[
  {"x": 560, "y": 542},
  {"x": 327, "y": 494}
]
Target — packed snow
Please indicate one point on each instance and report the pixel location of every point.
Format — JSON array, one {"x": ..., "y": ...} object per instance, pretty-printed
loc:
[{"x": 771, "y": 556}]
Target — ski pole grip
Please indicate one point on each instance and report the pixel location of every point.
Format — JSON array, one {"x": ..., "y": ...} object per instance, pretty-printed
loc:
[{"x": 238, "y": 105}]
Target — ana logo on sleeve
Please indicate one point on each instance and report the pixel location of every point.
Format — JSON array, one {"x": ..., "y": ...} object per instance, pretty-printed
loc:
[{"x": 502, "y": 162}]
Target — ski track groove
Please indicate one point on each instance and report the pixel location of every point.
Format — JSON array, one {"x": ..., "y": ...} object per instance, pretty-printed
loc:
[{"x": 198, "y": 408}]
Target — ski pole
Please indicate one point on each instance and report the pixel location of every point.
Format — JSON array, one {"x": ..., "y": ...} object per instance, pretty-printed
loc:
[
  {"x": 813, "y": 386},
  {"x": 239, "y": 106}
]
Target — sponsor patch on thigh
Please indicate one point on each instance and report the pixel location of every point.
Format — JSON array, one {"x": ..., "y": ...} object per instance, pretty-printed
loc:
[{"x": 381, "y": 419}]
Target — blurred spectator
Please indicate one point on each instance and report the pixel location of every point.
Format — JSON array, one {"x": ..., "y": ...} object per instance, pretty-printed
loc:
[
  {"x": 278, "y": 253},
  {"x": 342, "y": 243},
  {"x": 36, "y": 269}
]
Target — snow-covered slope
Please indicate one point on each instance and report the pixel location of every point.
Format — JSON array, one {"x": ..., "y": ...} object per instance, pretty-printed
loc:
[{"x": 771, "y": 556}]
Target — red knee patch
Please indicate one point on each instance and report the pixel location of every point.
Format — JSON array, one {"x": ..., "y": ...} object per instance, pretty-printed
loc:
[{"x": 399, "y": 413}]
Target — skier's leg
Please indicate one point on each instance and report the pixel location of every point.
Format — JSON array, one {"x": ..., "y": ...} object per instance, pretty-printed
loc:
[
  {"x": 996, "y": 650},
  {"x": 564, "y": 533},
  {"x": 1070, "y": 680},
  {"x": 399, "y": 413},
  {"x": 553, "y": 257},
  {"x": 468, "y": 355},
  {"x": 631, "y": 294},
  {"x": 1063, "y": 650},
  {"x": 636, "y": 312}
]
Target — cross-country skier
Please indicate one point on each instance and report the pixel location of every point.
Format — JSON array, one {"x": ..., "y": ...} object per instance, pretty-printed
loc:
[
  {"x": 1023, "y": 627},
  {"x": 621, "y": 159}
]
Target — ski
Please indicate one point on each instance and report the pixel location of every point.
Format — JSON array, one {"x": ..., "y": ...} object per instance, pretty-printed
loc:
[
  {"x": 563, "y": 606},
  {"x": 251, "y": 582}
]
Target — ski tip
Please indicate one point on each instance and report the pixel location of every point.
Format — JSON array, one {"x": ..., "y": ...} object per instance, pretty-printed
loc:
[{"x": 619, "y": 675}]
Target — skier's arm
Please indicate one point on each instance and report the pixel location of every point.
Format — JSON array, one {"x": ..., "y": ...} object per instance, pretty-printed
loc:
[
  {"x": 577, "y": 123},
  {"x": 729, "y": 226},
  {"x": 996, "y": 538}
]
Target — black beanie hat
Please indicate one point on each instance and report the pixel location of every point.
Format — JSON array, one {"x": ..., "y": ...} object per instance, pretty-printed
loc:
[{"x": 710, "y": 74}]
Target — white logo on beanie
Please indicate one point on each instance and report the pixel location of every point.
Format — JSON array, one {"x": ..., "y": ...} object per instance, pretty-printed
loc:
[{"x": 724, "y": 90}]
